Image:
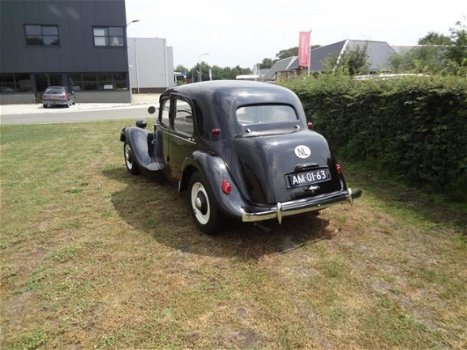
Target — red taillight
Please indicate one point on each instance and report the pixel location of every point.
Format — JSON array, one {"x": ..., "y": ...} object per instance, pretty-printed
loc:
[
  {"x": 215, "y": 132},
  {"x": 310, "y": 125},
  {"x": 338, "y": 168},
  {"x": 226, "y": 187}
]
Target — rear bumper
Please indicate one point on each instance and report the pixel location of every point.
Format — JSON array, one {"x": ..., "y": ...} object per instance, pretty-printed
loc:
[
  {"x": 55, "y": 102},
  {"x": 301, "y": 206}
]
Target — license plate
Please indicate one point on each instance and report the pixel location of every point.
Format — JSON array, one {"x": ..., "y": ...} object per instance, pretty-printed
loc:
[{"x": 309, "y": 177}]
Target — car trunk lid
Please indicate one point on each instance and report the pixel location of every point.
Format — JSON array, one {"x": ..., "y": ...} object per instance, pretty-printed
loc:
[{"x": 283, "y": 167}]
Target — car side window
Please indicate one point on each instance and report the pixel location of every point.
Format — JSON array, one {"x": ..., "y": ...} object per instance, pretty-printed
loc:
[
  {"x": 183, "y": 119},
  {"x": 165, "y": 113}
]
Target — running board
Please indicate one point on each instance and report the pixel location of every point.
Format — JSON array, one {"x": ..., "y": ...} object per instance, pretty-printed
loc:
[{"x": 156, "y": 166}]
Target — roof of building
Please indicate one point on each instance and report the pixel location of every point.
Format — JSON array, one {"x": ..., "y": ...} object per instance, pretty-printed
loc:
[
  {"x": 320, "y": 55},
  {"x": 282, "y": 65},
  {"x": 379, "y": 53}
]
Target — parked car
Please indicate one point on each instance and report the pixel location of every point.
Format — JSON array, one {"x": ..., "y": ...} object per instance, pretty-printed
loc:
[
  {"x": 58, "y": 96},
  {"x": 241, "y": 149}
]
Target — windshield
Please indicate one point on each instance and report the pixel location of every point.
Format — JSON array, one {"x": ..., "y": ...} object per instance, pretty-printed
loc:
[{"x": 266, "y": 114}]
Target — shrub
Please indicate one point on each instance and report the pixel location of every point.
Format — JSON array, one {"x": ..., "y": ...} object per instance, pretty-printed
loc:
[{"x": 414, "y": 126}]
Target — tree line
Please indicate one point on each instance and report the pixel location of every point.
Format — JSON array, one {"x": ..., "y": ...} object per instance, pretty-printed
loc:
[{"x": 217, "y": 73}]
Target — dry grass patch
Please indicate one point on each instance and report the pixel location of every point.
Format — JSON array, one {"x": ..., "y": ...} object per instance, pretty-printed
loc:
[{"x": 93, "y": 257}]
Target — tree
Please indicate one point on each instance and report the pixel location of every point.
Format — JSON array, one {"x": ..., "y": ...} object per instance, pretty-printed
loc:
[
  {"x": 354, "y": 61},
  {"x": 457, "y": 50},
  {"x": 293, "y": 51},
  {"x": 425, "y": 59},
  {"x": 181, "y": 69},
  {"x": 266, "y": 63},
  {"x": 439, "y": 55},
  {"x": 433, "y": 38},
  {"x": 204, "y": 68}
]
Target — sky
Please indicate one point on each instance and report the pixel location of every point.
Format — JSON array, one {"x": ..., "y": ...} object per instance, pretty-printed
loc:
[{"x": 243, "y": 32}]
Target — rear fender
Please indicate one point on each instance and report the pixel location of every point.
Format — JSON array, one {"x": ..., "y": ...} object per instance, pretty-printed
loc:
[{"x": 214, "y": 171}]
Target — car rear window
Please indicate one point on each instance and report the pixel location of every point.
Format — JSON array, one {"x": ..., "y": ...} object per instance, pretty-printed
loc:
[
  {"x": 266, "y": 114},
  {"x": 55, "y": 91}
]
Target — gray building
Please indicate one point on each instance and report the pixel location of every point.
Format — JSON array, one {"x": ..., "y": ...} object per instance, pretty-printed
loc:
[
  {"x": 63, "y": 42},
  {"x": 150, "y": 64}
]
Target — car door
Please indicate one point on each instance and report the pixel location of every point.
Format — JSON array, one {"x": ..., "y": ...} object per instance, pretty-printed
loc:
[
  {"x": 181, "y": 142},
  {"x": 163, "y": 129}
]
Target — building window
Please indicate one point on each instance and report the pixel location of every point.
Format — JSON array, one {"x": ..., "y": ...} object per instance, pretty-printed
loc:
[
  {"x": 108, "y": 36},
  {"x": 41, "y": 35},
  {"x": 98, "y": 81},
  {"x": 15, "y": 83}
]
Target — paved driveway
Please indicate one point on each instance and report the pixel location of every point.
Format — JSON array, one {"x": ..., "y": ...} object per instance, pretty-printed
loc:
[{"x": 80, "y": 112}]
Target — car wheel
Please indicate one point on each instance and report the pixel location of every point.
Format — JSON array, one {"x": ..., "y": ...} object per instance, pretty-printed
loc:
[
  {"x": 131, "y": 166},
  {"x": 204, "y": 208},
  {"x": 44, "y": 105}
]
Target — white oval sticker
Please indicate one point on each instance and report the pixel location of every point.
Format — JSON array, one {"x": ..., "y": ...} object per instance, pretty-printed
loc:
[{"x": 302, "y": 151}]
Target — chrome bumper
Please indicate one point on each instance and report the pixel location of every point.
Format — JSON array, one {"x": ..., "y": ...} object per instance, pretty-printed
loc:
[{"x": 302, "y": 206}]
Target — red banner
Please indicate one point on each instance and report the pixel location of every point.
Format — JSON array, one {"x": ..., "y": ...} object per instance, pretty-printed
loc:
[{"x": 304, "y": 49}]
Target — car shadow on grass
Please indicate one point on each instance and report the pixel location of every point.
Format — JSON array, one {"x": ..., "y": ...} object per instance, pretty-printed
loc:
[{"x": 153, "y": 206}]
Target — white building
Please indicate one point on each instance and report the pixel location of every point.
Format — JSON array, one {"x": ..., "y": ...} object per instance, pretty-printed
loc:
[{"x": 151, "y": 65}]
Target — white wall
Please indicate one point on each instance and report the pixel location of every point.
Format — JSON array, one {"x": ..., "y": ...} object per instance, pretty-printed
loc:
[
  {"x": 170, "y": 66},
  {"x": 150, "y": 63}
]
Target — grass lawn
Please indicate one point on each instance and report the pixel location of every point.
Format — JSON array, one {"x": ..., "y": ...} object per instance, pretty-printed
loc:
[{"x": 93, "y": 257}]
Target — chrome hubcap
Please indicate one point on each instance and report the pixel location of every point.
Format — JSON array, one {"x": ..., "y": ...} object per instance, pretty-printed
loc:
[{"x": 200, "y": 203}]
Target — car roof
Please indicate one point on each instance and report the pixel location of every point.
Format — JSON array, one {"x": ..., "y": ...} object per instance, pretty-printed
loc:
[
  {"x": 237, "y": 92},
  {"x": 216, "y": 102}
]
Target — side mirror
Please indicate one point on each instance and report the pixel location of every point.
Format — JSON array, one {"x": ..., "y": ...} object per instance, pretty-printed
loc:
[{"x": 152, "y": 110}]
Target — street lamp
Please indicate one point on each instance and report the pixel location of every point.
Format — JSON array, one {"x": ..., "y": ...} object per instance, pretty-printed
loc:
[
  {"x": 133, "y": 21},
  {"x": 200, "y": 78},
  {"x": 134, "y": 55}
]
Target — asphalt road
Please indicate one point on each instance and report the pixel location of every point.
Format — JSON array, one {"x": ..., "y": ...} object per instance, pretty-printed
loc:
[{"x": 70, "y": 116}]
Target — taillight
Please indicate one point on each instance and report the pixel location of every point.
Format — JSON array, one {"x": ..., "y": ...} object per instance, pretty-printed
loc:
[
  {"x": 215, "y": 132},
  {"x": 338, "y": 168},
  {"x": 226, "y": 187},
  {"x": 310, "y": 125}
]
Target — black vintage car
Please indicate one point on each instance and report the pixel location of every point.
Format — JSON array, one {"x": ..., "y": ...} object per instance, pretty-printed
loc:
[{"x": 241, "y": 149}]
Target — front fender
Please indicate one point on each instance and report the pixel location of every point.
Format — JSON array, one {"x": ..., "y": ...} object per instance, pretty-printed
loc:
[
  {"x": 215, "y": 171},
  {"x": 137, "y": 138}
]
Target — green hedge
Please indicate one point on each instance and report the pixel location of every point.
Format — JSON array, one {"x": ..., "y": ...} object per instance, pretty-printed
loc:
[{"x": 415, "y": 127}]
